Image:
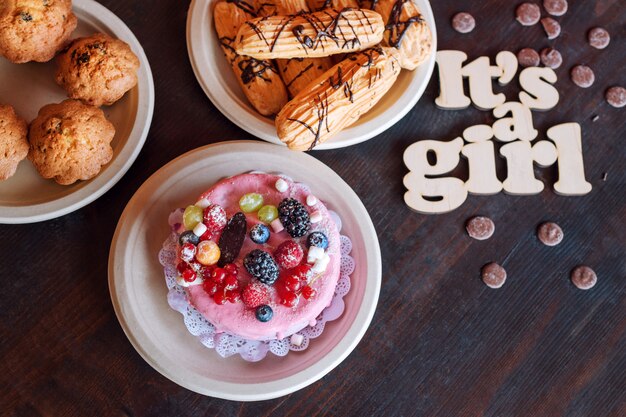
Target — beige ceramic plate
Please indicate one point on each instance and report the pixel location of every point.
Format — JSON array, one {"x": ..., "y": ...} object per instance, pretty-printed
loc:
[
  {"x": 26, "y": 197},
  {"x": 218, "y": 82},
  {"x": 139, "y": 293}
]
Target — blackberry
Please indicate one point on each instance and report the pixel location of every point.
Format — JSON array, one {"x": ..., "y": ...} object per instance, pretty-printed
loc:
[
  {"x": 262, "y": 266},
  {"x": 188, "y": 237},
  {"x": 294, "y": 217},
  {"x": 264, "y": 313},
  {"x": 318, "y": 239},
  {"x": 259, "y": 233}
]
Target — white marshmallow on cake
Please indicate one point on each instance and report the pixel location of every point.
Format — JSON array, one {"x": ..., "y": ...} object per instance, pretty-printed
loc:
[
  {"x": 281, "y": 185},
  {"x": 296, "y": 339},
  {"x": 316, "y": 217},
  {"x": 314, "y": 254},
  {"x": 311, "y": 200},
  {"x": 321, "y": 264},
  {"x": 203, "y": 203},
  {"x": 200, "y": 229},
  {"x": 277, "y": 226}
]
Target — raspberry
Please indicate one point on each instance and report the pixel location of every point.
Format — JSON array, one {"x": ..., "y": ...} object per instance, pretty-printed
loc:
[
  {"x": 294, "y": 217},
  {"x": 288, "y": 254},
  {"x": 255, "y": 295},
  {"x": 215, "y": 218},
  {"x": 262, "y": 266}
]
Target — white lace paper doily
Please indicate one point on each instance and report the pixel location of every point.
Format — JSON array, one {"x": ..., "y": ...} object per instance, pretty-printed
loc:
[{"x": 226, "y": 344}]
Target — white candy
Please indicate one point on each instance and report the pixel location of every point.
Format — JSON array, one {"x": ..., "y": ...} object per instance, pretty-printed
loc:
[
  {"x": 181, "y": 281},
  {"x": 296, "y": 339},
  {"x": 281, "y": 185},
  {"x": 199, "y": 229},
  {"x": 311, "y": 200},
  {"x": 321, "y": 264},
  {"x": 316, "y": 217},
  {"x": 277, "y": 226},
  {"x": 203, "y": 203},
  {"x": 314, "y": 254}
]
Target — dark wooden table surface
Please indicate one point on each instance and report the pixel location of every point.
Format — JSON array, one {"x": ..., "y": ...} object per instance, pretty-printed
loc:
[{"x": 441, "y": 343}]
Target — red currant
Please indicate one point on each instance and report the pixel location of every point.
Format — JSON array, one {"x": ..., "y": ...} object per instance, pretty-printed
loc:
[
  {"x": 255, "y": 295},
  {"x": 189, "y": 275},
  {"x": 292, "y": 283},
  {"x": 231, "y": 269},
  {"x": 232, "y": 296},
  {"x": 210, "y": 287},
  {"x": 301, "y": 272},
  {"x": 290, "y": 299},
  {"x": 231, "y": 282},
  {"x": 181, "y": 267},
  {"x": 219, "y": 275},
  {"x": 219, "y": 298},
  {"x": 207, "y": 272},
  {"x": 308, "y": 292}
]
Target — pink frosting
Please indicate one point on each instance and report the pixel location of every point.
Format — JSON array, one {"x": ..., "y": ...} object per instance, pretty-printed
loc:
[{"x": 236, "y": 318}]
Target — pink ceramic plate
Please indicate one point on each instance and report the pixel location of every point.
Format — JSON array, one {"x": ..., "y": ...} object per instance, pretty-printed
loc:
[{"x": 139, "y": 294}]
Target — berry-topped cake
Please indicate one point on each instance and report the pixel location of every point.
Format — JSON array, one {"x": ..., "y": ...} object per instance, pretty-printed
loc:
[{"x": 259, "y": 256}]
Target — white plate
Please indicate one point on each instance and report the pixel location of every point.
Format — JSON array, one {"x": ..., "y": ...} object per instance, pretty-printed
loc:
[
  {"x": 26, "y": 197},
  {"x": 139, "y": 293},
  {"x": 218, "y": 82}
]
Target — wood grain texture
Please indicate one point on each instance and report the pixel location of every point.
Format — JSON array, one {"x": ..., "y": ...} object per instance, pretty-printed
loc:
[{"x": 441, "y": 342}]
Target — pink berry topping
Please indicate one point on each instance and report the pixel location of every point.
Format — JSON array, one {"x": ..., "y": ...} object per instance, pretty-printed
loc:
[
  {"x": 288, "y": 254},
  {"x": 255, "y": 295},
  {"x": 215, "y": 218}
]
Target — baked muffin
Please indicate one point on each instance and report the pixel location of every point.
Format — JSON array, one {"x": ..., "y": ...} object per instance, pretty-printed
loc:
[
  {"x": 97, "y": 69},
  {"x": 70, "y": 141},
  {"x": 13, "y": 141},
  {"x": 34, "y": 30}
]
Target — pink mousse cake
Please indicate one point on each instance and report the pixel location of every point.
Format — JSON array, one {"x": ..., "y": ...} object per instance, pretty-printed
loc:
[{"x": 259, "y": 257}]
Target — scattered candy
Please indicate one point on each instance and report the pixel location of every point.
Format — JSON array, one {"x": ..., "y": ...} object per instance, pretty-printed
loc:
[
  {"x": 188, "y": 252},
  {"x": 192, "y": 216},
  {"x": 268, "y": 213},
  {"x": 550, "y": 234},
  {"x": 316, "y": 217},
  {"x": 259, "y": 233},
  {"x": 264, "y": 313},
  {"x": 463, "y": 22},
  {"x": 281, "y": 185},
  {"x": 188, "y": 237},
  {"x": 616, "y": 96},
  {"x": 493, "y": 275},
  {"x": 583, "y": 277},
  {"x": 551, "y": 58},
  {"x": 200, "y": 229},
  {"x": 294, "y": 217},
  {"x": 551, "y": 27},
  {"x": 251, "y": 202},
  {"x": 232, "y": 238},
  {"x": 314, "y": 254},
  {"x": 582, "y": 76},
  {"x": 288, "y": 254},
  {"x": 202, "y": 203},
  {"x": 318, "y": 239},
  {"x": 262, "y": 266},
  {"x": 528, "y": 14},
  {"x": 208, "y": 253},
  {"x": 528, "y": 57},
  {"x": 555, "y": 7},
  {"x": 599, "y": 38},
  {"x": 480, "y": 227},
  {"x": 296, "y": 339},
  {"x": 277, "y": 226},
  {"x": 215, "y": 217},
  {"x": 321, "y": 264},
  {"x": 311, "y": 200}
]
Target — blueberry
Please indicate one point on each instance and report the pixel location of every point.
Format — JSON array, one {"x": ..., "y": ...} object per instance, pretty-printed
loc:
[
  {"x": 260, "y": 233},
  {"x": 188, "y": 237},
  {"x": 264, "y": 313},
  {"x": 318, "y": 239}
]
